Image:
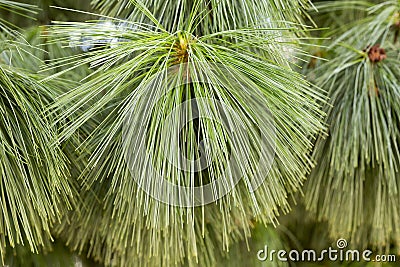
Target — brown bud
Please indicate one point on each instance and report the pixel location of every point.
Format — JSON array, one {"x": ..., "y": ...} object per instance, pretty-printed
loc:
[{"x": 376, "y": 53}]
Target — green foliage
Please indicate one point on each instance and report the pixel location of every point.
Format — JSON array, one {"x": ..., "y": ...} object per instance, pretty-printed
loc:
[
  {"x": 125, "y": 218},
  {"x": 214, "y": 15},
  {"x": 14, "y": 7},
  {"x": 355, "y": 183},
  {"x": 89, "y": 124},
  {"x": 35, "y": 191}
]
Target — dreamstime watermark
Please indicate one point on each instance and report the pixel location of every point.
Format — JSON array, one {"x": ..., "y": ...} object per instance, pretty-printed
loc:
[
  {"x": 192, "y": 132},
  {"x": 340, "y": 253}
]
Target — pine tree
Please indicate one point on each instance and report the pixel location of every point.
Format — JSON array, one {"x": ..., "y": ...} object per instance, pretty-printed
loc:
[{"x": 174, "y": 133}]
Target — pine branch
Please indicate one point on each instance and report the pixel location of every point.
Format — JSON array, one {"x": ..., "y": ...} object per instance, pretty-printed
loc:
[
  {"x": 35, "y": 191},
  {"x": 125, "y": 58},
  {"x": 354, "y": 185}
]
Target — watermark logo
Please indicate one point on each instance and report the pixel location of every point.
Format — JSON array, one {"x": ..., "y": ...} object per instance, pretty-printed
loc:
[
  {"x": 341, "y": 243},
  {"x": 192, "y": 132},
  {"x": 340, "y": 253}
]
